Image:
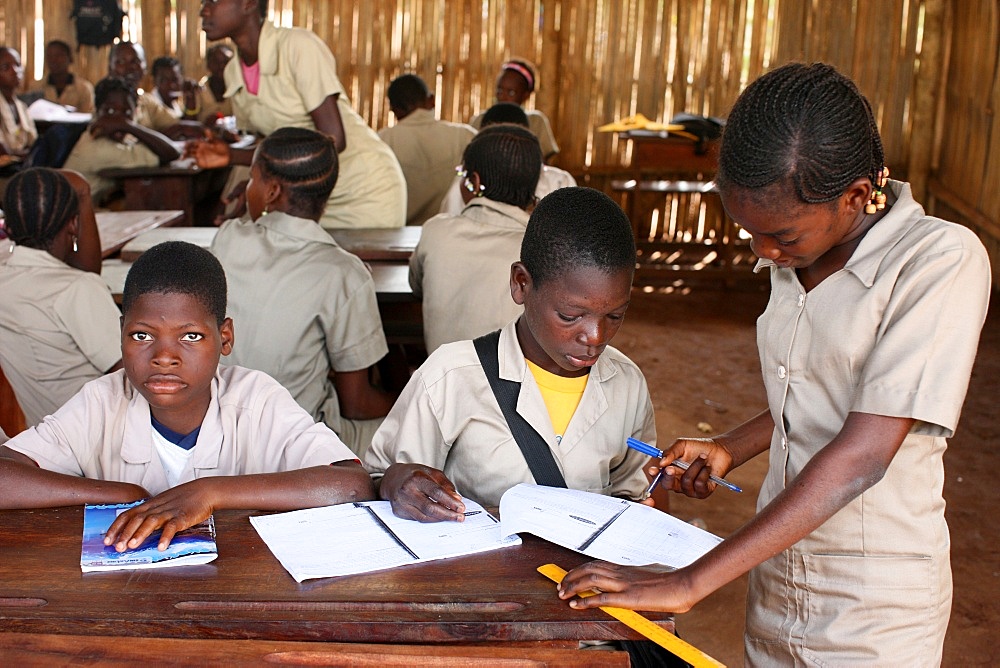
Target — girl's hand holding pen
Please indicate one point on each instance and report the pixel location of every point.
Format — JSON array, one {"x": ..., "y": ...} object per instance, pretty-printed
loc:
[{"x": 705, "y": 458}]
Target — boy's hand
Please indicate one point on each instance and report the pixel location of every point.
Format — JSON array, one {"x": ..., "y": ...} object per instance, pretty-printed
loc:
[
  {"x": 706, "y": 457},
  {"x": 421, "y": 493},
  {"x": 627, "y": 587},
  {"x": 174, "y": 510}
]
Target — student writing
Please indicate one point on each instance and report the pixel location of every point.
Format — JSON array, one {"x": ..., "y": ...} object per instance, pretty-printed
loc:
[
  {"x": 866, "y": 347},
  {"x": 174, "y": 424}
]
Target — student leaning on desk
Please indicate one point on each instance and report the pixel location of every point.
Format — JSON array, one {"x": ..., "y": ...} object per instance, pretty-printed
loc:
[
  {"x": 582, "y": 397},
  {"x": 174, "y": 425}
]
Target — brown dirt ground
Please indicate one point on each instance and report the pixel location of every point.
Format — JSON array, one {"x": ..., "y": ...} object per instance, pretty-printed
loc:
[{"x": 697, "y": 349}]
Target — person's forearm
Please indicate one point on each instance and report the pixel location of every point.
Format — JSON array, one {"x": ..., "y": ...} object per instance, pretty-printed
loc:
[
  {"x": 852, "y": 463},
  {"x": 27, "y": 486},
  {"x": 155, "y": 142},
  {"x": 290, "y": 490},
  {"x": 749, "y": 439}
]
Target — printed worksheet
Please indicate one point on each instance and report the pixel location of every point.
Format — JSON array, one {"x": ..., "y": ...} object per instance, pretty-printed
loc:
[{"x": 603, "y": 527}]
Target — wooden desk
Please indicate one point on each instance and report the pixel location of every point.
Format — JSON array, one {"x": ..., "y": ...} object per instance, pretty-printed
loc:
[
  {"x": 663, "y": 156},
  {"x": 199, "y": 236},
  {"x": 163, "y": 188},
  {"x": 51, "y": 649},
  {"x": 246, "y": 594},
  {"x": 117, "y": 228},
  {"x": 379, "y": 244}
]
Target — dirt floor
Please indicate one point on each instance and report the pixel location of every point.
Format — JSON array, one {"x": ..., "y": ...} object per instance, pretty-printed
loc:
[{"x": 697, "y": 349}]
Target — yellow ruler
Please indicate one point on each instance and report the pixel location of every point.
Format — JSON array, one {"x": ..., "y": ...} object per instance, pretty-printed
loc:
[{"x": 637, "y": 622}]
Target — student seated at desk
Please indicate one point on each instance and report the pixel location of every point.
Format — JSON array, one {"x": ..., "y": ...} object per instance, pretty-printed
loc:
[
  {"x": 17, "y": 130},
  {"x": 167, "y": 84},
  {"x": 584, "y": 398},
  {"x": 175, "y": 425},
  {"x": 550, "y": 178},
  {"x": 515, "y": 84},
  {"x": 461, "y": 265},
  {"x": 59, "y": 325},
  {"x": 62, "y": 86},
  {"x": 427, "y": 148},
  {"x": 114, "y": 139},
  {"x": 206, "y": 102},
  {"x": 306, "y": 307}
]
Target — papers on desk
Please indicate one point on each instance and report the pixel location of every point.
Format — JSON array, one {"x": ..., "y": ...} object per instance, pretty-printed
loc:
[
  {"x": 43, "y": 110},
  {"x": 362, "y": 537},
  {"x": 603, "y": 527},
  {"x": 195, "y": 545}
]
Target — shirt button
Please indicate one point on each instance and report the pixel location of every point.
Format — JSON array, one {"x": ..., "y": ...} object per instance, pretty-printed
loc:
[
  {"x": 781, "y": 372},
  {"x": 802, "y": 300}
]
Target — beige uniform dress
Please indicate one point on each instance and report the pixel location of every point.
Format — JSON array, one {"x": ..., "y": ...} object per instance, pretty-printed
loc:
[
  {"x": 892, "y": 333},
  {"x": 461, "y": 268},
  {"x": 428, "y": 151},
  {"x": 78, "y": 93},
  {"x": 301, "y": 306},
  {"x": 59, "y": 328},
  {"x": 539, "y": 125},
  {"x": 297, "y": 73},
  {"x": 252, "y": 426},
  {"x": 447, "y": 417},
  {"x": 90, "y": 155}
]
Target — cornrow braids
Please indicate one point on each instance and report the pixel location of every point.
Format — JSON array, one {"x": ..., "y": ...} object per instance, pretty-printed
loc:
[
  {"x": 508, "y": 160},
  {"x": 38, "y": 204},
  {"x": 305, "y": 161},
  {"x": 807, "y": 126},
  {"x": 109, "y": 85},
  {"x": 576, "y": 227}
]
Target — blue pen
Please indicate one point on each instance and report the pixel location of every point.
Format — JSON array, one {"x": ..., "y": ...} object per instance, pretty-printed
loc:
[{"x": 647, "y": 449}]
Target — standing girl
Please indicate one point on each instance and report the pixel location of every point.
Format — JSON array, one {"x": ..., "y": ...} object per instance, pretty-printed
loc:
[{"x": 866, "y": 347}]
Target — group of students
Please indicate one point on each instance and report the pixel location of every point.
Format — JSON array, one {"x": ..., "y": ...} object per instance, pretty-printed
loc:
[{"x": 866, "y": 347}]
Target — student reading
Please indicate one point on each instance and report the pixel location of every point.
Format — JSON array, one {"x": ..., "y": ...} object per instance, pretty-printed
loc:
[
  {"x": 866, "y": 346},
  {"x": 584, "y": 398},
  {"x": 174, "y": 424}
]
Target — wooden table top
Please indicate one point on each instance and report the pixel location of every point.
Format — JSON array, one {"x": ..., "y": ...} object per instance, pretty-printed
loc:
[
  {"x": 245, "y": 593},
  {"x": 199, "y": 236},
  {"x": 379, "y": 244},
  {"x": 117, "y": 228}
]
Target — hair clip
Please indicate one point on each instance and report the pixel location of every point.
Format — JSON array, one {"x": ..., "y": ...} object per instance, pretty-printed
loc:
[{"x": 878, "y": 198}]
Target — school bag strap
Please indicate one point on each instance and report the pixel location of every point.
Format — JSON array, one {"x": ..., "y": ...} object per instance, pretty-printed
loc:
[{"x": 534, "y": 448}]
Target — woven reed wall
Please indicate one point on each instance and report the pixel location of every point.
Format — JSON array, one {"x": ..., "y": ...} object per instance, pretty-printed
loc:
[{"x": 599, "y": 60}]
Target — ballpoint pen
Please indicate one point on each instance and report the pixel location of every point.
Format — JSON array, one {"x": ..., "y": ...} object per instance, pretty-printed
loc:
[{"x": 652, "y": 451}]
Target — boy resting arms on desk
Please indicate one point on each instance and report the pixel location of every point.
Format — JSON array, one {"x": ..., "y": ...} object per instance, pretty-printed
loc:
[
  {"x": 584, "y": 398},
  {"x": 176, "y": 425}
]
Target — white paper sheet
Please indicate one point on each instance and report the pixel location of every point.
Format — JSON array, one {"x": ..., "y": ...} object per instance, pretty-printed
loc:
[
  {"x": 347, "y": 538},
  {"x": 603, "y": 527}
]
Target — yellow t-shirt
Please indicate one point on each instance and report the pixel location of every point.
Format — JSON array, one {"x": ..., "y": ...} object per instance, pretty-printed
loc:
[{"x": 561, "y": 395}]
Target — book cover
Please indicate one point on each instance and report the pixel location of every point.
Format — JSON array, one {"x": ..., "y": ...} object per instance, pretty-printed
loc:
[{"x": 195, "y": 545}]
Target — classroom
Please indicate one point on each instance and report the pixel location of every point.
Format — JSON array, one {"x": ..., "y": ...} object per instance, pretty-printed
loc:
[{"x": 343, "y": 223}]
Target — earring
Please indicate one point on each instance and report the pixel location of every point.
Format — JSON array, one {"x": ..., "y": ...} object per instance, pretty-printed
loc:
[
  {"x": 877, "y": 202},
  {"x": 76, "y": 247},
  {"x": 468, "y": 185}
]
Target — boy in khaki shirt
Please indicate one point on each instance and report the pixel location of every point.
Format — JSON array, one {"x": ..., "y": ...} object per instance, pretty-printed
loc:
[{"x": 175, "y": 426}]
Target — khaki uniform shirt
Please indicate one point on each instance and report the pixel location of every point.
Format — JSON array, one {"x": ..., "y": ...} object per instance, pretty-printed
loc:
[
  {"x": 539, "y": 125},
  {"x": 78, "y": 93},
  {"x": 297, "y": 73},
  {"x": 549, "y": 179},
  {"x": 59, "y": 328},
  {"x": 17, "y": 134},
  {"x": 150, "y": 112},
  {"x": 89, "y": 156},
  {"x": 252, "y": 426},
  {"x": 208, "y": 107},
  {"x": 428, "y": 151},
  {"x": 892, "y": 333},
  {"x": 461, "y": 268},
  {"x": 447, "y": 417},
  {"x": 301, "y": 306}
]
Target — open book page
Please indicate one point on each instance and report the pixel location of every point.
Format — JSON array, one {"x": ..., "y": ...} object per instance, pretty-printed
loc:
[
  {"x": 362, "y": 537},
  {"x": 194, "y": 545},
  {"x": 603, "y": 527}
]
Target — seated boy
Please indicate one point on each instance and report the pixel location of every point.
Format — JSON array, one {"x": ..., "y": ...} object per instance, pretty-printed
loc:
[
  {"x": 175, "y": 425},
  {"x": 447, "y": 432}
]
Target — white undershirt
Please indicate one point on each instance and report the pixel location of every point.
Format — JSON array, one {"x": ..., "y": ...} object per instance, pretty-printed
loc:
[{"x": 174, "y": 458}]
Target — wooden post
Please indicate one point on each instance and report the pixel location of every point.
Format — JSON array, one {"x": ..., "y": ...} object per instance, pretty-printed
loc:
[{"x": 926, "y": 89}]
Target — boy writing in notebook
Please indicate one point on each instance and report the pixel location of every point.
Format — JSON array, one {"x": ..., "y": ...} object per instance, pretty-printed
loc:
[
  {"x": 447, "y": 434},
  {"x": 175, "y": 425}
]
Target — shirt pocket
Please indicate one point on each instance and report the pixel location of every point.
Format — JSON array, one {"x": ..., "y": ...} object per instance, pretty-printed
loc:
[{"x": 869, "y": 610}]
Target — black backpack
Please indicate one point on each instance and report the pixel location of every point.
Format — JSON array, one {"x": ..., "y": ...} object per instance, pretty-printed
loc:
[{"x": 98, "y": 22}]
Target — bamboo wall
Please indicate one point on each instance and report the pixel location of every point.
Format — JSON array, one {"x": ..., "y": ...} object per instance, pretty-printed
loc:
[{"x": 599, "y": 60}]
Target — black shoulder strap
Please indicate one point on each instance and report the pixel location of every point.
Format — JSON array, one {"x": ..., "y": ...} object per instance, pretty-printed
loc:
[{"x": 534, "y": 448}]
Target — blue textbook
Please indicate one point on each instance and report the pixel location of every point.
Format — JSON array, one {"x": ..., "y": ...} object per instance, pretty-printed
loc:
[{"x": 195, "y": 545}]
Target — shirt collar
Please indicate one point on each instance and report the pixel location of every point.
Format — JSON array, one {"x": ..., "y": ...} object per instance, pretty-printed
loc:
[
  {"x": 295, "y": 227},
  {"x": 507, "y": 210},
  {"x": 513, "y": 365},
  {"x": 23, "y": 256}
]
